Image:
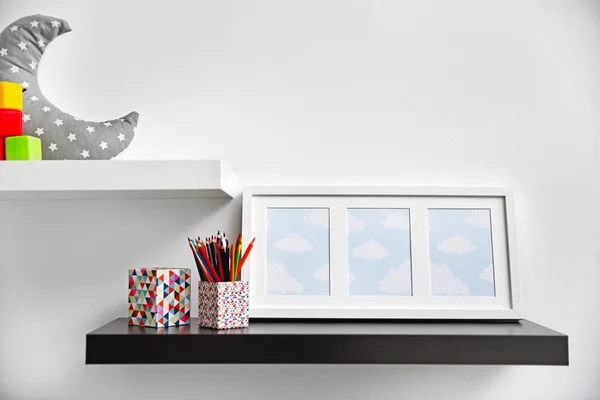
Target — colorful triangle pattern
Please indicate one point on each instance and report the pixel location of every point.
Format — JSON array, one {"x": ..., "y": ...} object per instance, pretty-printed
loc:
[{"x": 159, "y": 297}]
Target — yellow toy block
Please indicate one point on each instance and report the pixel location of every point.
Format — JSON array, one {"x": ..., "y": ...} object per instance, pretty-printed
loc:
[{"x": 11, "y": 96}]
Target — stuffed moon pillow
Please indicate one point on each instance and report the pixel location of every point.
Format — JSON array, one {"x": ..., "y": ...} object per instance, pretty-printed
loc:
[{"x": 63, "y": 136}]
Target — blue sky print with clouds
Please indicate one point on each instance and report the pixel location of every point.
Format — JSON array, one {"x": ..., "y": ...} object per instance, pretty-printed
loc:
[
  {"x": 379, "y": 252},
  {"x": 460, "y": 252},
  {"x": 298, "y": 251}
]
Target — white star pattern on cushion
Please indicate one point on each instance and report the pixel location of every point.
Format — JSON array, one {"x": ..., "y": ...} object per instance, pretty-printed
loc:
[{"x": 22, "y": 45}]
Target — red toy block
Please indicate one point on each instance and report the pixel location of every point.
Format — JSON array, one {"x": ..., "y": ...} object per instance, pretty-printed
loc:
[
  {"x": 2, "y": 152},
  {"x": 11, "y": 122}
]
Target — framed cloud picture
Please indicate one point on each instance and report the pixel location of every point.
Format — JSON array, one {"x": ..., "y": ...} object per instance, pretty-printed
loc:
[{"x": 386, "y": 252}]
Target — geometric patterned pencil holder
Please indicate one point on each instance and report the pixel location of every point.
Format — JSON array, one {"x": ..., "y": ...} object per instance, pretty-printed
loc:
[
  {"x": 223, "y": 305},
  {"x": 159, "y": 297}
]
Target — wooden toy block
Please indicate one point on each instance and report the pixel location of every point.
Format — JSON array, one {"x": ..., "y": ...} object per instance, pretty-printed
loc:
[
  {"x": 23, "y": 148},
  {"x": 11, "y": 122},
  {"x": 11, "y": 96}
]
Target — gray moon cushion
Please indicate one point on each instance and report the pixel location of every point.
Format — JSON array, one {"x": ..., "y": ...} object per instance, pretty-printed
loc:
[{"x": 63, "y": 136}]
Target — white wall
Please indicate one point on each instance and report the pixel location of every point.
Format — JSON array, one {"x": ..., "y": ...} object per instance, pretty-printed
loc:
[{"x": 415, "y": 92}]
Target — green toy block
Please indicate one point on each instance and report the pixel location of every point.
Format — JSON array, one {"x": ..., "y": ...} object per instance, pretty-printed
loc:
[{"x": 23, "y": 148}]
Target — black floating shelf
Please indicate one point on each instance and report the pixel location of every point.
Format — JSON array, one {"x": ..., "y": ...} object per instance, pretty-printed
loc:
[{"x": 331, "y": 342}]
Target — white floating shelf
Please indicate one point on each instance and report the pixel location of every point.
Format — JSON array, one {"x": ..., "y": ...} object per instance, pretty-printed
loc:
[{"x": 32, "y": 180}]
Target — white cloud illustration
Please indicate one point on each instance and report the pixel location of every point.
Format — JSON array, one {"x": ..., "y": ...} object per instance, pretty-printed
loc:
[
  {"x": 456, "y": 244},
  {"x": 279, "y": 280},
  {"x": 487, "y": 274},
  {"x": 317, "y": 218},
  {"x": 443, "y": 282},
  {"x": 355, "y": 224},
  {"x": 479, "y": 218},
  {"x": 371, "y": 250},
  {"x": 397, "y": 280},
  {"x": 351, "y": 277},
  {"x": 398, "y": 220},
  {"x": 293, "y": 243},
  {"x": 322, "y": 273}
]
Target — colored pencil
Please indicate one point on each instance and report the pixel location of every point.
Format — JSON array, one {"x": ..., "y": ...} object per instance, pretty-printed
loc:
[
  {"x": 213, "y": 277},
  {"x": 238, "y": 252},
  {"x": 222, "y": 259},
  {"x": 201, "y": 267},
  {"x": 218, "y": 260},
  {"x": 225, "y": 255},
  {"x": 213, "y": 248},
  {"x": 210, "y": 265},
  {"x": 195, "y": 259},
  {"x": 217, "y": 254},
  {"x": 215, "y": 260},
  {"x": 221, "y": 255},
  {"x": 206, "y": 246},
  {"x": 246, "y": 253},
  {"x": 209, "y": 252},
  {"x": 231, "y": 262},
  {"x": 204, "y": 263}
]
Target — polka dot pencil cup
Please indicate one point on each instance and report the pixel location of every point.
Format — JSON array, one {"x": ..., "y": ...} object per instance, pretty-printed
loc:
[{"x": 223, "y": 305}]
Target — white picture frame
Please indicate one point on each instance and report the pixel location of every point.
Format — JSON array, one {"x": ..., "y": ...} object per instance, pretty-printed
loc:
[{"x": 422, "y": 303}]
